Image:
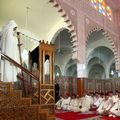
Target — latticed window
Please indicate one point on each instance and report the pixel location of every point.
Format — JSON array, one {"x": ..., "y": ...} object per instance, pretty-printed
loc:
[{"x": 102, "y": 8}]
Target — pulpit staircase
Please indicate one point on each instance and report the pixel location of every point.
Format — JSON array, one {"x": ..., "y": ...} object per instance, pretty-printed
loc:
[{"x": 13, "y": 106}]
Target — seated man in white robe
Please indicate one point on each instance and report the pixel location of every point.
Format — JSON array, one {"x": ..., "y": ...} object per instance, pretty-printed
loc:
[
  {"x": 59, "y": 102},
  {"x": 105, "y": 106},
  {"x": 115, "y": 97},
  {"x": 91, "y": 94},
  {"x": 65, "y": 102},
  {"x": 77, "y": 104},
  {"x": 98, "y": 100},
  {"x": 72, "y": 102},
  {"x": 85, "y": 103},
  {"x": 115, "y": 110},
  {"x": 95, "y": 99}
]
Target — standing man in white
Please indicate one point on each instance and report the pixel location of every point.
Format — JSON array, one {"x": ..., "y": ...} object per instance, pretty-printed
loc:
[{"x": 9, "y": 47}]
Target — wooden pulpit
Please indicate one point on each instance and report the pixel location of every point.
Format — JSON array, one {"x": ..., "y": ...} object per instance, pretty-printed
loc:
[{"x": 47, "y": 77}]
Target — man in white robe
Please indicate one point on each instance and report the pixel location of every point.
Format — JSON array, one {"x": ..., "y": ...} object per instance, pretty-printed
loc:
[
  {"x": 0, "y": 53},
  {"x": 77, "y": 104},
  {"x": 98, "y": 101},
  {"x": 115, "y": 97},
  {"x": 85, "y": 103},
  {"x": 105, "y": 106},
  {"x": 115, "y": 110},
  {"x": 59, "y": 102},
  {"x": 72, "y": 103},
  {"x": 91, "y": 94},
  {"x": 9, "y": 47},
  {"x": 65, "y": 102}
]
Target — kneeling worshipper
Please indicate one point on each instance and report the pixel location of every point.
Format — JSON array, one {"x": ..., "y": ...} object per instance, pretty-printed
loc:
[
  {"x": 115, "y": 110},
  {"x": 85, "y": 103},
  {"x": 98, "y": 100},
  {"x": 113, "y": 97},
  {"x": 105, "y": 106},
  {"x": 72, "y": 102},
  {"x": 116, "y": 96},
  {"x": 59, "y": 102},
  {"x": 91, "y": 94},
  {"x": 77, "y": 104},
  {"x": 66, "y": 102}
]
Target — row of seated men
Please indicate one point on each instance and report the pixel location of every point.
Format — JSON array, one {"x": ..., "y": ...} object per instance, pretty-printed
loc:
[{"x": 104, "y": 104}]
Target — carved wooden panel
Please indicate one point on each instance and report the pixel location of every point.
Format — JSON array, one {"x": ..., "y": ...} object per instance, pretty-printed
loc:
[
  {"x": 67, "y": 84},
  {"x": 98, "y": 86},
  {"x": 107, "y": 86},
  {"x": 21, "y": 113},
  {"x": 14, "y": 107},
  {"x": 5, "y": 86},
  {"x": 90, "y": 85},
  {"x": 117, "y": 84},
  {"x": 47, "y": 95}
]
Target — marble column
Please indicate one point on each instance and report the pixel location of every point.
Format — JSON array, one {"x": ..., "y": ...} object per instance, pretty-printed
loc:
[{"x": 81, "y": 70}]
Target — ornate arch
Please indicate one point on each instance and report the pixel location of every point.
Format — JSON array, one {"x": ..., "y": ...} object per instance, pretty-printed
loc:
[
  {"x": 68, "y": 20},
  {"x": 109, "y": 38},
  {"x": 69, "y": 63},
  {"x": 57, "y": 70},
  {"x": 57, "y": 32}
]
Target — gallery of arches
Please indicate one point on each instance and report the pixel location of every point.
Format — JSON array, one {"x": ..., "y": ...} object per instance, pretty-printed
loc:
[{"x": 60, "y": 60}]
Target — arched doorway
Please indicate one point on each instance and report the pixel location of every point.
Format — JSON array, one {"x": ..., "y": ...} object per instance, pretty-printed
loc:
[
  {"x": 100, "y": 62},
  {"x": 63, "y": 53}
]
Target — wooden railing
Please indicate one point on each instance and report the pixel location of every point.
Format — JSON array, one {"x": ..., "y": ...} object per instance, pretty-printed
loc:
[
  {"x": 19, "y": 66},
  {"x": 25, "y": 85}
]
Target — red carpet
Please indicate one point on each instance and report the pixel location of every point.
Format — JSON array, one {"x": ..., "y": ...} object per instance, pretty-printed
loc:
[
  {"x": 74, "y": 115},
  {"x": 109, "y": 118}
]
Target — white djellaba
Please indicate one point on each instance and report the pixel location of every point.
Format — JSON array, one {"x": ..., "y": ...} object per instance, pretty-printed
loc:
[{"x": 9, "y": 47}]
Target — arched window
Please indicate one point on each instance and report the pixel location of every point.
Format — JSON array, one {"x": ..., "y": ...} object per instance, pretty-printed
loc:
[{"x": 102, "y": 8}]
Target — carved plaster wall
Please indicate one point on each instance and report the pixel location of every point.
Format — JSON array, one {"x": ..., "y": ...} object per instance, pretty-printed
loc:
[{"x": 82, "y": 20}]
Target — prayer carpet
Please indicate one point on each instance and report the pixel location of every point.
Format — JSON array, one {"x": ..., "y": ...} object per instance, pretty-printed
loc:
[
  {"x": 74, "y": 115},
  {"x": 109, "y": 118}
]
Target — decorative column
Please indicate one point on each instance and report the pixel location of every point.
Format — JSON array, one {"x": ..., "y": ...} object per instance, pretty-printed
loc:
[
  {"x": 81, "y": 70},
  {"x": 81, "y": 50}
]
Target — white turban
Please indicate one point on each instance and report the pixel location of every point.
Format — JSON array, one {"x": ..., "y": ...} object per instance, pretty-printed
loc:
[{"x": 9, "y": 26}]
